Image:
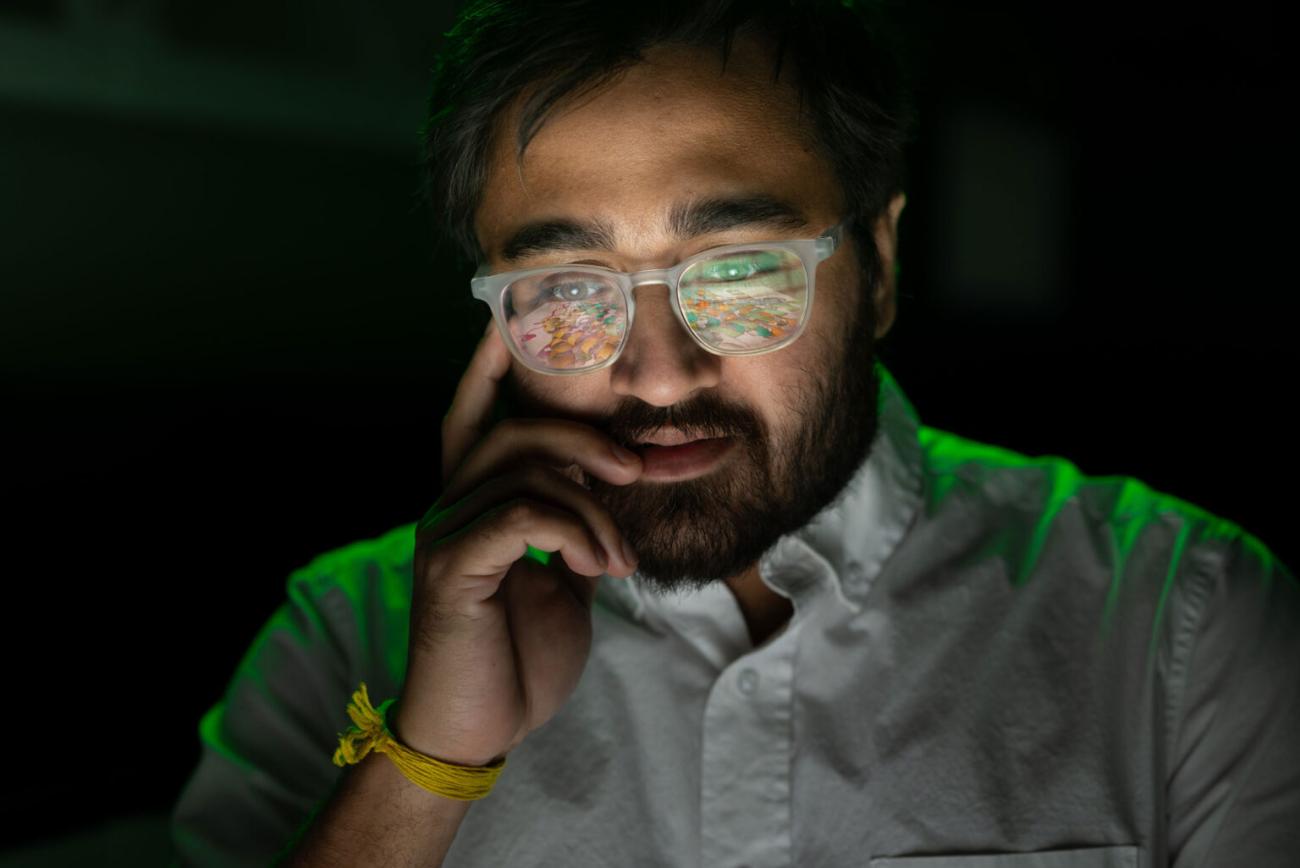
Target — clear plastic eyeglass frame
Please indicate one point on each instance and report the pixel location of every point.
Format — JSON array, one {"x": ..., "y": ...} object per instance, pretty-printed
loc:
[{"x": 490, "y": 288}]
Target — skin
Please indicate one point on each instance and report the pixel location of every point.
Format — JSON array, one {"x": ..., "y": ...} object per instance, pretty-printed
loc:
[{"x": 671, "y": 129}]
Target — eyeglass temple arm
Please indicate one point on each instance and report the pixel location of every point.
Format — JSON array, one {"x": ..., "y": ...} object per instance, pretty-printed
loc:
[{"x": 828, "y": 243}]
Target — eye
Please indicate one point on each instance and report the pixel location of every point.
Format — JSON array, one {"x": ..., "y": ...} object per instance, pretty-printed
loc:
[
  {"x": 731, "y": 269},
  {"x": 741, "y": 267},
  {"x": 574, "y": 290}
]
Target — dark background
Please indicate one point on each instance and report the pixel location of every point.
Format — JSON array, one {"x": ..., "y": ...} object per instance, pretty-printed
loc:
[{"x": 226, "y": 342}]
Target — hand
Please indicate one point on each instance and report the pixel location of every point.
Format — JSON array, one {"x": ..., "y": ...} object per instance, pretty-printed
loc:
[{"x": 498, "y": 641}]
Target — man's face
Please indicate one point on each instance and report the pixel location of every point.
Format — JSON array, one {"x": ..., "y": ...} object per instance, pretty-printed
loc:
[{"x": 670, "y": 131}]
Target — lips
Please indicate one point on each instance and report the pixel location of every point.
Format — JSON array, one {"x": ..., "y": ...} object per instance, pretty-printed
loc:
[{"x": 683, "y": 461}]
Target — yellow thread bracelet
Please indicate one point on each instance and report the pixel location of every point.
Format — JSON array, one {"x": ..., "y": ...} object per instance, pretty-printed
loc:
[{"x": 465, "y": 783}]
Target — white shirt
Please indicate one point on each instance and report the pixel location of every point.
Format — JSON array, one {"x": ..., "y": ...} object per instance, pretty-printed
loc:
[{"x": 993, "y": 661}]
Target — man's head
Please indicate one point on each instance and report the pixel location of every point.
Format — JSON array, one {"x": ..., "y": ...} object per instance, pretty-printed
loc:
[{"x": 613, "y": 114}]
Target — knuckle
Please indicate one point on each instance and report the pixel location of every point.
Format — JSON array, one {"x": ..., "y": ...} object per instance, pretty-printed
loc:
[
  {"x": 434, "y": 557},
  {"x": 537, "y": 475},
  {"x": 520, "y": 511},
  {"x": 511, "y": 428},
  {"x": 559, "y": 486}
]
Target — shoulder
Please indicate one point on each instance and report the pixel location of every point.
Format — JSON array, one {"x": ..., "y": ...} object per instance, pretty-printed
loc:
[
  {"x": 357, "y": 571},
  {"x": 960, "y": 469},
  {"x": 1169, "y": 631},
  {"x": 1049, "y": 519},
  {"x": 359, "y": 596},
  {"x": 963, "y": 472}
]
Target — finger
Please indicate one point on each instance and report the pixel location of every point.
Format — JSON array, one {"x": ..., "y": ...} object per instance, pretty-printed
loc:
[
  {"x": 545, "y": 484},
  {"x": 471, "y": 406},
  {"x": 559, "y": 443},
  {"x": 582, "y": 587},
  {"x": 472, "y": 562},
  {"x": 527, "y": 586}
]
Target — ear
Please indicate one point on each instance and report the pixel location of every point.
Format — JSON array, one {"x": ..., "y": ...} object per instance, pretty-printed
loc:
[{"x": 886, "y": 235}]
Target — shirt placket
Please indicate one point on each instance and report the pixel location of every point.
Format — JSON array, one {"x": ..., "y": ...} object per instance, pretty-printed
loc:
[
  {"x": 747, "y": 750},
  {"x": 745, "y": 773}
]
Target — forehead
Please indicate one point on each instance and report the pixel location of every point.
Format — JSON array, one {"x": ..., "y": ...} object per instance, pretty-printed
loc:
[{"x": 671, "y": 129}]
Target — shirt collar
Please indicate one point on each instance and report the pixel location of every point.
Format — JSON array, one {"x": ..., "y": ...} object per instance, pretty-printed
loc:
[{"x": 847, "y": 544}]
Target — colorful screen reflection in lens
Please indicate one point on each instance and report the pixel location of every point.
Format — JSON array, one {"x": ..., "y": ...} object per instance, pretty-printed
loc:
[
  {"x": 744, "y": 324},
  {"x": 571, "y": 334}
]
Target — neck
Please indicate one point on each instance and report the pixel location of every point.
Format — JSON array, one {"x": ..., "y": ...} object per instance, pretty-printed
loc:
[{"x": 764, "y": 610}]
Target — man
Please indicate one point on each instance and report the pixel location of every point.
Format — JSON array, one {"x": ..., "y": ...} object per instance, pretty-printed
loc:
[{"x": 782, "y": 623}]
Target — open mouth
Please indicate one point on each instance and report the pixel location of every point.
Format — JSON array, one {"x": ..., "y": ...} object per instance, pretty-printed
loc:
[
  {"x": 639, "y": 447},
  {"x": 684, "y": 460}
]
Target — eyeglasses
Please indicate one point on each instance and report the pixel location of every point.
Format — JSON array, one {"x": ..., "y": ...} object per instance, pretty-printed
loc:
[{"x": 737, "y": 300}]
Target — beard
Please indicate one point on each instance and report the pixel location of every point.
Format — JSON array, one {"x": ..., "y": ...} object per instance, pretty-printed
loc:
[{"x": 696, "y": 532}]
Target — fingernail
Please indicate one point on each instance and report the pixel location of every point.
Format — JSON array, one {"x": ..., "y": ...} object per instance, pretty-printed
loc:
[
  {"x": 602, "y": 556},
  {"x": 629, "y": 556},
  {"x": 624, "y": 456}
]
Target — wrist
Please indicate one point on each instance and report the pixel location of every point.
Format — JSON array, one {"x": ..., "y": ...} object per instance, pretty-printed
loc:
[{"x": 412, "y": 731}]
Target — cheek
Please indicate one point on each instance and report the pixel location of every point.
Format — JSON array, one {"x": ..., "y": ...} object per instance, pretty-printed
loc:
[
  {"x": 533, "y": 394},
  {"x": 823, "y": 333},
  {"x": 835, "y": 306},
  {"x": 785, "y": 381},
  {"x": 777, "y": 385}
]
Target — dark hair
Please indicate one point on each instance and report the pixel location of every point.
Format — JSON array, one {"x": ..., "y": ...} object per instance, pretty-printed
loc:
[{"x": 848, "y": 67}]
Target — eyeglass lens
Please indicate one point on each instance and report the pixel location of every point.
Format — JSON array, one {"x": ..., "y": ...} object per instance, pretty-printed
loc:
[{"x": 741, "y": 301}]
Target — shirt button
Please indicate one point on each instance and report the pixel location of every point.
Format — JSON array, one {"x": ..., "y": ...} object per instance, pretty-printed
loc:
[{"x": 748, "y": 681}]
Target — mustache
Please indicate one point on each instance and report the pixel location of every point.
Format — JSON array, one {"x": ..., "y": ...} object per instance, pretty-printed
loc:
[
  {"x": 633, "y": 420},
  {"x": 703, "y": 416}
]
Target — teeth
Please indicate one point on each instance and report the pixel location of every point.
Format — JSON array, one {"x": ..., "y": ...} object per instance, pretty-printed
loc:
[{"x": 674, "y": 438}]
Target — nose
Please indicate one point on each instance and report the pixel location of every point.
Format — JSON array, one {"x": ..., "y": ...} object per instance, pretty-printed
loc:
[{"x": 661, "y": 364}]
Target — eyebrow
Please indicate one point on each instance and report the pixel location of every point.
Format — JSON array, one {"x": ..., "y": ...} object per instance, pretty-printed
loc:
[{"x": 685, "y": 220}]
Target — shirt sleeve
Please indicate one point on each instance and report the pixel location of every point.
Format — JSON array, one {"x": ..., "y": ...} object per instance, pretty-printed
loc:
[
  {"x": 1234, "y": 734},
  {"x": 267, "y": 745}
]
